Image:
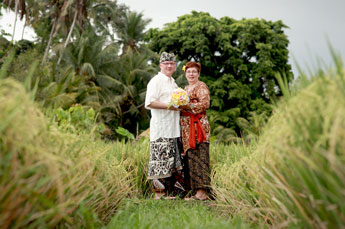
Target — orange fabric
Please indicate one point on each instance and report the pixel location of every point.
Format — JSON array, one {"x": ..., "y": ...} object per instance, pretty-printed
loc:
[{"x": 195, "y": 118}]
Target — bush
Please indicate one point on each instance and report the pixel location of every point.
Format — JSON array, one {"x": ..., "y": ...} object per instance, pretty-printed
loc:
[{"x": 78, "y": 120}]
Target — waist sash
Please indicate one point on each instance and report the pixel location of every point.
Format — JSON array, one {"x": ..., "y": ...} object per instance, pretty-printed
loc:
[{"x": 195, "y": 118}]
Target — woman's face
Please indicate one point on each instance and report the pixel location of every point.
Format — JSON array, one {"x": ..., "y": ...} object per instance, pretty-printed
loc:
[{"x": 192, "y": 75}]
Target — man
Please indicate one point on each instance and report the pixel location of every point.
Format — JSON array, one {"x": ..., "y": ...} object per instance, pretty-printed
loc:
[{"x": 164, "y": 128}]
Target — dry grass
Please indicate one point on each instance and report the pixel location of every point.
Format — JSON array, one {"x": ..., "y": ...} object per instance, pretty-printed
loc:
[
  {"x": 296, "y": 173},
  {"x": 49, "y": 178}
]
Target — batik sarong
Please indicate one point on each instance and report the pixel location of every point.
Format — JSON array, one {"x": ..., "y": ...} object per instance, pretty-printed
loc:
[
  {"x": 165, "y": 164},
  {"x": 198, "y": 167}
]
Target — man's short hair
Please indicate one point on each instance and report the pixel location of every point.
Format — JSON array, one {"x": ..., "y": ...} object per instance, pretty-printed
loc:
[{"x": 167, "y": 57}]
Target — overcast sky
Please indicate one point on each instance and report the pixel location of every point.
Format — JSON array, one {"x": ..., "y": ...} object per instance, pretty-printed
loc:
[{"x": 309, "y": 21}]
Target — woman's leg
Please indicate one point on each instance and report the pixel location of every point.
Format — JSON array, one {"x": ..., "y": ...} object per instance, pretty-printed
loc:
[{"x": 199, "y": 167}]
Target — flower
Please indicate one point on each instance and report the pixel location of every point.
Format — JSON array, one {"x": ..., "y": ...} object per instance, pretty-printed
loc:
[
  {"x": 184, "y": 68},
  {"x": 179, "y": 97}
]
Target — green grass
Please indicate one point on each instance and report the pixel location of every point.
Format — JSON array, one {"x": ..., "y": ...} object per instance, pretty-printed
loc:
[{"x": 141, "y": 213}]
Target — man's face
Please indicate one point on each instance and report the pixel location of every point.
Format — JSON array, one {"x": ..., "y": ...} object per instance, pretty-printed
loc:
[{"x": 168, "y": 67}]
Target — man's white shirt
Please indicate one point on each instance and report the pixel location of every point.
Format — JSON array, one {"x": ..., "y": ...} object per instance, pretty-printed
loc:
[{"x": 163, "y": 123}]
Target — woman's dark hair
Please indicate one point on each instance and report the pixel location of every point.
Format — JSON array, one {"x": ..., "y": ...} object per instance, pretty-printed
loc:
[{"x": 192, "y": 64}]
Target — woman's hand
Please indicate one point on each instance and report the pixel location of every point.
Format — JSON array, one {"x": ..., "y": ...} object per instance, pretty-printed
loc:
[
  {"x": 172, "y": 108},
  {"x": 186, "y": 107}
]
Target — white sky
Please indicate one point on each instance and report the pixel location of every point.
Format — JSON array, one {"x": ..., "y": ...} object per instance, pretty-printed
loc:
[
  {"x": 7, "y": 22},
  {"x": 309, "y": 21}
]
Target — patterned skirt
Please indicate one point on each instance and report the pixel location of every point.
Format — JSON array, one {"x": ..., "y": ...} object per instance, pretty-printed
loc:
[
  {"x": 164, "y": 158},
  {"x": 165, "y": 166},
  {"x": 198, "y": 167}
]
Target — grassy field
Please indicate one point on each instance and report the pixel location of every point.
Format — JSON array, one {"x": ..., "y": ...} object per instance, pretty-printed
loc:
[
  {"x": 293, "y": 175},
  {"x": 149, "y": 213}
]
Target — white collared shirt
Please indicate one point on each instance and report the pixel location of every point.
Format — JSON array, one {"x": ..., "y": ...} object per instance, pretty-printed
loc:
[{"x": 163, "y": 123}]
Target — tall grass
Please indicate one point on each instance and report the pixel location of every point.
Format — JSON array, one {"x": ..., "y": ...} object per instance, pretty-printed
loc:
[
  {"x": 134, "y": 157},
  {"x": 49, "y": 178},
  {"x": 296, "y": 174}
]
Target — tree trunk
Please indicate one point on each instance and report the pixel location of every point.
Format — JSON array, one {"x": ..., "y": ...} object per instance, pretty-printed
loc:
[
  {"x": 49, "y": 42},
  {"x": 24, "y": 28},
  {"x": 15, "y": 19},
  {"x": 69, "y": 36}
]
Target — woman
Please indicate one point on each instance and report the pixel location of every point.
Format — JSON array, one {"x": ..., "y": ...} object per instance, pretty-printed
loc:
[{"x": 196, "y": 132}]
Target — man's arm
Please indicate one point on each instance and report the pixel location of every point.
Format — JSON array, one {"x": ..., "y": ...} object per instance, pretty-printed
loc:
[{"x": 159, "y": 105}]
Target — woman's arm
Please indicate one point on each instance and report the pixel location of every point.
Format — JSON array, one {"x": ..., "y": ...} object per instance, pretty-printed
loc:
[{"x": 203, "y": 95}]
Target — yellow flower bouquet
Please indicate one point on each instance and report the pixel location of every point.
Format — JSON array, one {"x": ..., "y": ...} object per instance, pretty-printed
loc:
[{"x": 179, "y": 97}]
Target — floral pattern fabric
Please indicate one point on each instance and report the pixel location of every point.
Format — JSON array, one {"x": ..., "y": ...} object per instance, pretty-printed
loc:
[
  {"x": 199, "y": 96},
  {"x": 164, "y": 158}
]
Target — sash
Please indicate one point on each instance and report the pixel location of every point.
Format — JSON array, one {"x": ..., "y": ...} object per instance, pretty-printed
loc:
[{"x": 195, "y": 118}]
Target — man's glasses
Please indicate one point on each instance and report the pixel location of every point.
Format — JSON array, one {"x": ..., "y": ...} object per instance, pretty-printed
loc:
[{"x": 168, "y": 63}]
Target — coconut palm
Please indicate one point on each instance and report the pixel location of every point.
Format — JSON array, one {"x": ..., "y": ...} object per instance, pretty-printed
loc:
[
  {"x": 70, "y": 88},
  {"x": 132, "y": 31},
  {"x": 107, "y": 16},
  {"x": 122, "y": 80},
  {"x": 64, "y": 15},
  {"x": 134, "y": 72},
  {"x": 19, "y": 6},
  {"x": 90, "y": 56}
]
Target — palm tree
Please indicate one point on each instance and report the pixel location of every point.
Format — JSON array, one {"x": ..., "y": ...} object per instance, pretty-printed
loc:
[
  {"x": 107, "y": 17},
  {"x": 61, "y": 15},
  {"x": 66, "y": 88},
  {"x": 134, "y": 72},
  {"x": 19, "y": 7},
  {"x": 131, "y": 32},
  {"x": 90, "y": 56},
  {"x": 122, "y": 81}
]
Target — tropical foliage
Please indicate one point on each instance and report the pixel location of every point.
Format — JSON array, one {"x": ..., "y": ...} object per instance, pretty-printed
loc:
[
  {"x": 97, "y": 53},
  {"x": 84, "y": 66},
  {"x": 239, "y": 59}
]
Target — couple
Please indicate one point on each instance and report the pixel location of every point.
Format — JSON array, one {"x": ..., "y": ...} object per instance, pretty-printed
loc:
[{"x": 173, "y": 165}]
